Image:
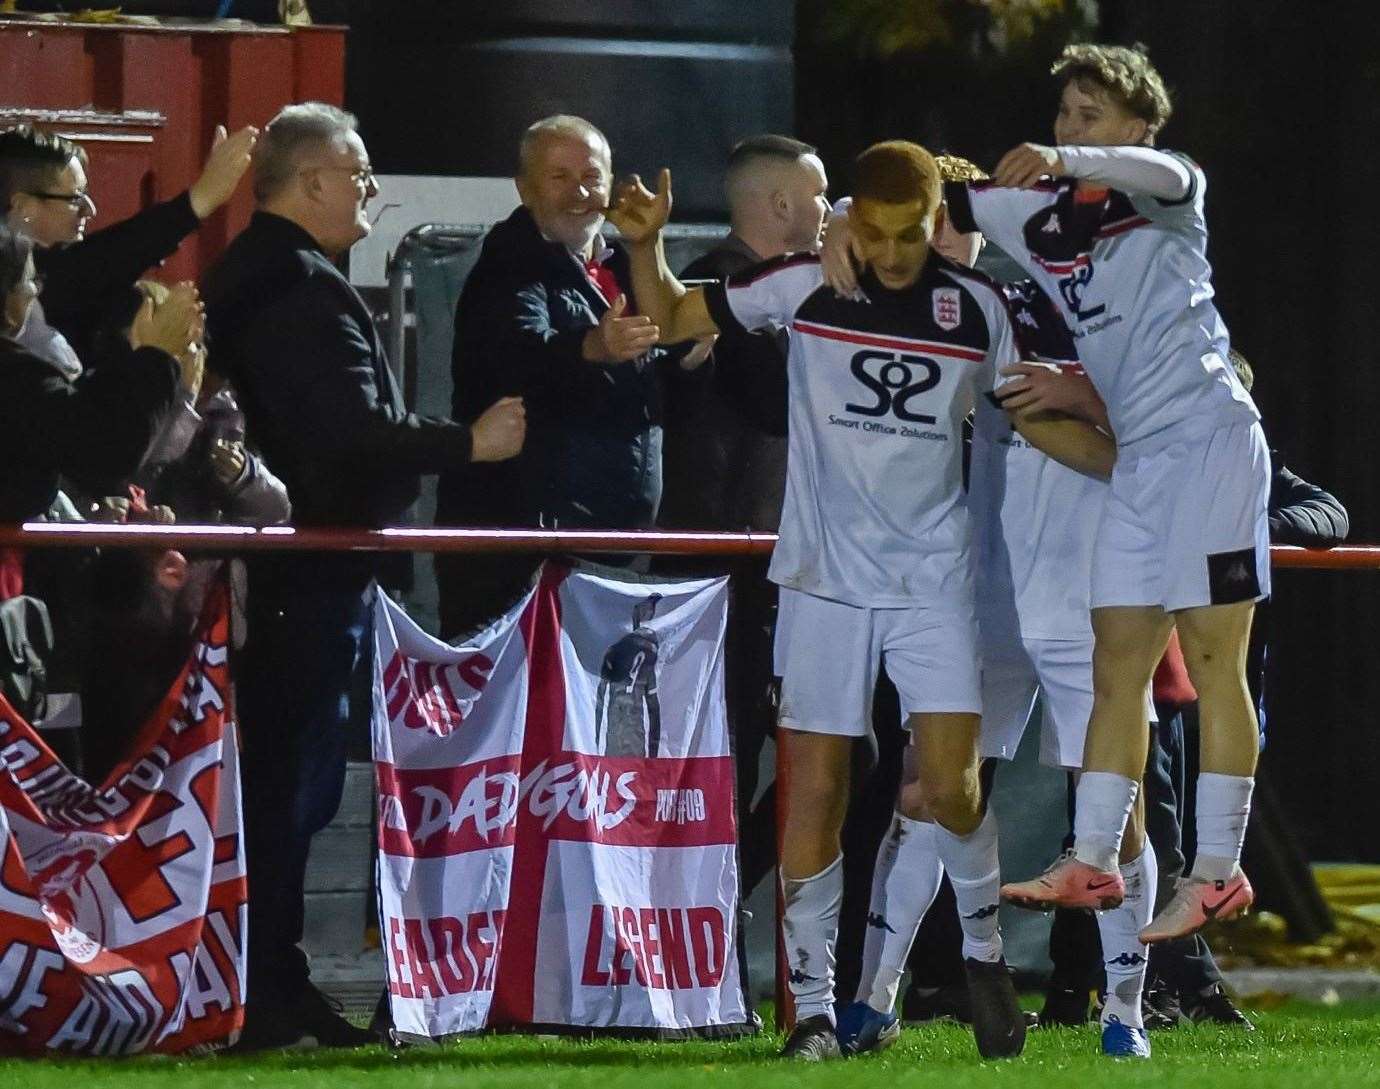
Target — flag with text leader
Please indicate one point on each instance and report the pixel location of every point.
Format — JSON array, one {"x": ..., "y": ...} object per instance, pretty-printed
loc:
[
  {"x": 556, "y": 814},
  {"x": 122, "y": 906}
]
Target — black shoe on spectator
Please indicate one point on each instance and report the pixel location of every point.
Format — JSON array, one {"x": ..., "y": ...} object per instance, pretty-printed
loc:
[
  {"x": 813, "y": 1040},
  {"x": 947, "y": 1003},
  {"x": 1065, "y": 1007},
  {"x": 1214, "y": 1007},
  {"x": 321, "y": 1016},
  {"x": 998, "y": 1023},
  {"x": 1160, "y": 1009},
  {"x": 269, "y": 1025}
]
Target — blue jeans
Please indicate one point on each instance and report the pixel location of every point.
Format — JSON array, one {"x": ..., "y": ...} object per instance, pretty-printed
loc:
[{"x": 294, "y": 682}]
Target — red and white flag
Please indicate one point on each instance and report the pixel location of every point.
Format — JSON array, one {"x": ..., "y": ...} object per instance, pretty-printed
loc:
[
  {"x": 556, "y": 824},
  {"x": 122, "y": 906}
]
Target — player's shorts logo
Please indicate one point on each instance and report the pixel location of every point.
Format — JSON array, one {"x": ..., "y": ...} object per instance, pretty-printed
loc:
[{"x": 947, "y": 304}]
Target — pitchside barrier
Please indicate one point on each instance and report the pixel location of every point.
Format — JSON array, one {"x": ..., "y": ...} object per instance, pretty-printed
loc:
[{"x": 228, "y": 540}]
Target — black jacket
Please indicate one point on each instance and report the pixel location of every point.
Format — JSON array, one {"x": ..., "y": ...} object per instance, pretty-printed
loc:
[
  {"x": 593, "y": 452},
  {"x": 319, "y": 400},
  {"x": 1302, "y": 513},
  {"x": 82, "y": 279},
  {"x": 94, "y": 430},
  {"x": 725, "y": 452}
]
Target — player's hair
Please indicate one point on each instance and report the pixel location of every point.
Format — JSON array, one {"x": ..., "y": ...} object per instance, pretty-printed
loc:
[
  {"x": 560, "y": 124},
  {"x": 1125, "y": 74},
  {"x": 767, "y": 146},
  {"x": 296, "y": 131},
  {"x": 30, "y": 157},
  {"x": 955, "y": 168},
  {"x": 1242, "y": 367},
  {"x": 897, "y": 172},
  {"x": 766, "y": 150}
]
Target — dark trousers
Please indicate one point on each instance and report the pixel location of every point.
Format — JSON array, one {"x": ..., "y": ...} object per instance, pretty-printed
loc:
[{"x": 294, "y": 682}]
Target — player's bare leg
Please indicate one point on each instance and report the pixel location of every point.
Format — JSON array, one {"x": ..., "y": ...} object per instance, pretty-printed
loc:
[
  {"x": 965, "y": 836},
  {"x": 1214, "y": 640},
  {"x": 812, "y": 882},
  {"x": 1128, "y": 643}
]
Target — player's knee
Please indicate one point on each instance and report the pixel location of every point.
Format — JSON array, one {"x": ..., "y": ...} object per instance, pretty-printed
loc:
[{"x": 954, "y": 802}]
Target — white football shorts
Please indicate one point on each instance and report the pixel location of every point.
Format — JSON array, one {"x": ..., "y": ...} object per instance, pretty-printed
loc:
[
  {"x": 828, "y": 653},
  {"x": 1188, "y": 525}
]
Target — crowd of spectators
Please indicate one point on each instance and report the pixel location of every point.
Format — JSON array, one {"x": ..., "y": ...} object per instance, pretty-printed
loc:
[{"x": 265, "y": 397}]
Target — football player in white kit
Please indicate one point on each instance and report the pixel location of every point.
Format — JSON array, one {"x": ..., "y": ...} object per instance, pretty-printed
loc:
[
  {"x": 873, "y": 557},
  {"x": 1114, "y": 230},
  {"x": 1034, "y": 523}
]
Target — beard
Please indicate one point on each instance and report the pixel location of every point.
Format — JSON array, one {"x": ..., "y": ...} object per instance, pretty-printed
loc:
[{"x": 578, "y": 233}]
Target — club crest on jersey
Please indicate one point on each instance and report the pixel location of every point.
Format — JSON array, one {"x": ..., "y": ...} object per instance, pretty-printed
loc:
[{"x": 947, "y": 314}]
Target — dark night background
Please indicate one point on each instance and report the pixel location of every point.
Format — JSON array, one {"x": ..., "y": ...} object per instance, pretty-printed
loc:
[{"x": 1280, "y": 102}]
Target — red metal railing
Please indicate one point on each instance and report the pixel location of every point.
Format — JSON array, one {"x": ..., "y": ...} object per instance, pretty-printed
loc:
[{"x": 286, "y": 539}]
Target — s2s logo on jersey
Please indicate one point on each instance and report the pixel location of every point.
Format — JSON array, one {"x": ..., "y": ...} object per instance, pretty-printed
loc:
[{"x": 894, "y": 380}]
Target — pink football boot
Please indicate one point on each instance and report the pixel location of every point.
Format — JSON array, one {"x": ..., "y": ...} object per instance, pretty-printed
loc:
[
  {"x": 1068, "y": 883},
  {"x": 1198, "y": 902}
]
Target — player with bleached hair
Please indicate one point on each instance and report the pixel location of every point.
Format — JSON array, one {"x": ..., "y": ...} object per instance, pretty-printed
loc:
[{"x": 873, "y": 556}]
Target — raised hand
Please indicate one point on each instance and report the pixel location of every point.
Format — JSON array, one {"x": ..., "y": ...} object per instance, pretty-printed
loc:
[
  {"x": 499, "y": 432},
  {"x": 619, "y": 339},
  {"x": 1024, "y": 165},
  {"x": 225, "y": 167},
  {"x": 638, "y": 213}
]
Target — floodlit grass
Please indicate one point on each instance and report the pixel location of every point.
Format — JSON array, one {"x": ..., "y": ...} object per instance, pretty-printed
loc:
[{"x": 1296, "y": 1045}]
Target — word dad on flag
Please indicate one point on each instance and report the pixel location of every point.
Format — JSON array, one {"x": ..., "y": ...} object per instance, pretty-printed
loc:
[
  {"x": 122, "y": 906},
  {"x": 556, "y": 826}
]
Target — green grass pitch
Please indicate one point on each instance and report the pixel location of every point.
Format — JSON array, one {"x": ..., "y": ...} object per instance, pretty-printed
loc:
[{"x": 1296, "y": 1045}]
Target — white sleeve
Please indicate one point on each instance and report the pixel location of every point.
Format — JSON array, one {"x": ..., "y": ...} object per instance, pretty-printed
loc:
[
  {"x": 766, "y": 295},
  {"x": 1135, "y": 171},
  {"x": 999, "y": 213}
]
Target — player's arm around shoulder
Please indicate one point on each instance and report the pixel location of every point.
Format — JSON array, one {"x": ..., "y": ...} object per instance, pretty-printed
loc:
[
  {"x": 1072, "y": 442},
  {"x": 640, "y": 215}
]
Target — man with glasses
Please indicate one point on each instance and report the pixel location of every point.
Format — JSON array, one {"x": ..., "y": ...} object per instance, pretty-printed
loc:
[
  {"x": 44, "y": 194},
  {"x": 321, "y": 404}
]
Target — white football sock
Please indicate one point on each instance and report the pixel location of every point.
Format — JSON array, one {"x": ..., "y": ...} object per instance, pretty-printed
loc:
[
  {"x": 1102, "y": 805},
  {"x": 1123, "y": 956},
  {"x": 904, "y": 885},
  {"x": 811, "y": 925},
  {"x": 975, "y": 874},
  {"x": 1224, "y": 804}
]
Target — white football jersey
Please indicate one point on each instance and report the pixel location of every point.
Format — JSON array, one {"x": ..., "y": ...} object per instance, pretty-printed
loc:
[
  {"x": 1131, "y": 275},
  {"x": 875, "y": 513},
  {"x": 1034, "y": 520}
]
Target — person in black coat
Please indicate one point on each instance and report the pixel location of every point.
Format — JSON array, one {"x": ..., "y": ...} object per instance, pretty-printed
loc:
[
  {"x": 546, "y": 314},
  {"x": 96, "y": 429},
  {"x": 44, "y": 194},
  {"x": 322, "y": 406}
]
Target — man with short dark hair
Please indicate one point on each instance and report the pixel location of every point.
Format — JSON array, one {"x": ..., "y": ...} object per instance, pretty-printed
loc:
[
  {"x": 321, "y": 403},
  {"x": 725, "y": 449},
  {"x": 44, "y": 194}
]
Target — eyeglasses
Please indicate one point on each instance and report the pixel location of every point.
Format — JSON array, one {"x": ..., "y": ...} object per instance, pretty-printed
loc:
[
  {"x": 72, "y": 200},
  {"x": 363, "y": 176}
]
